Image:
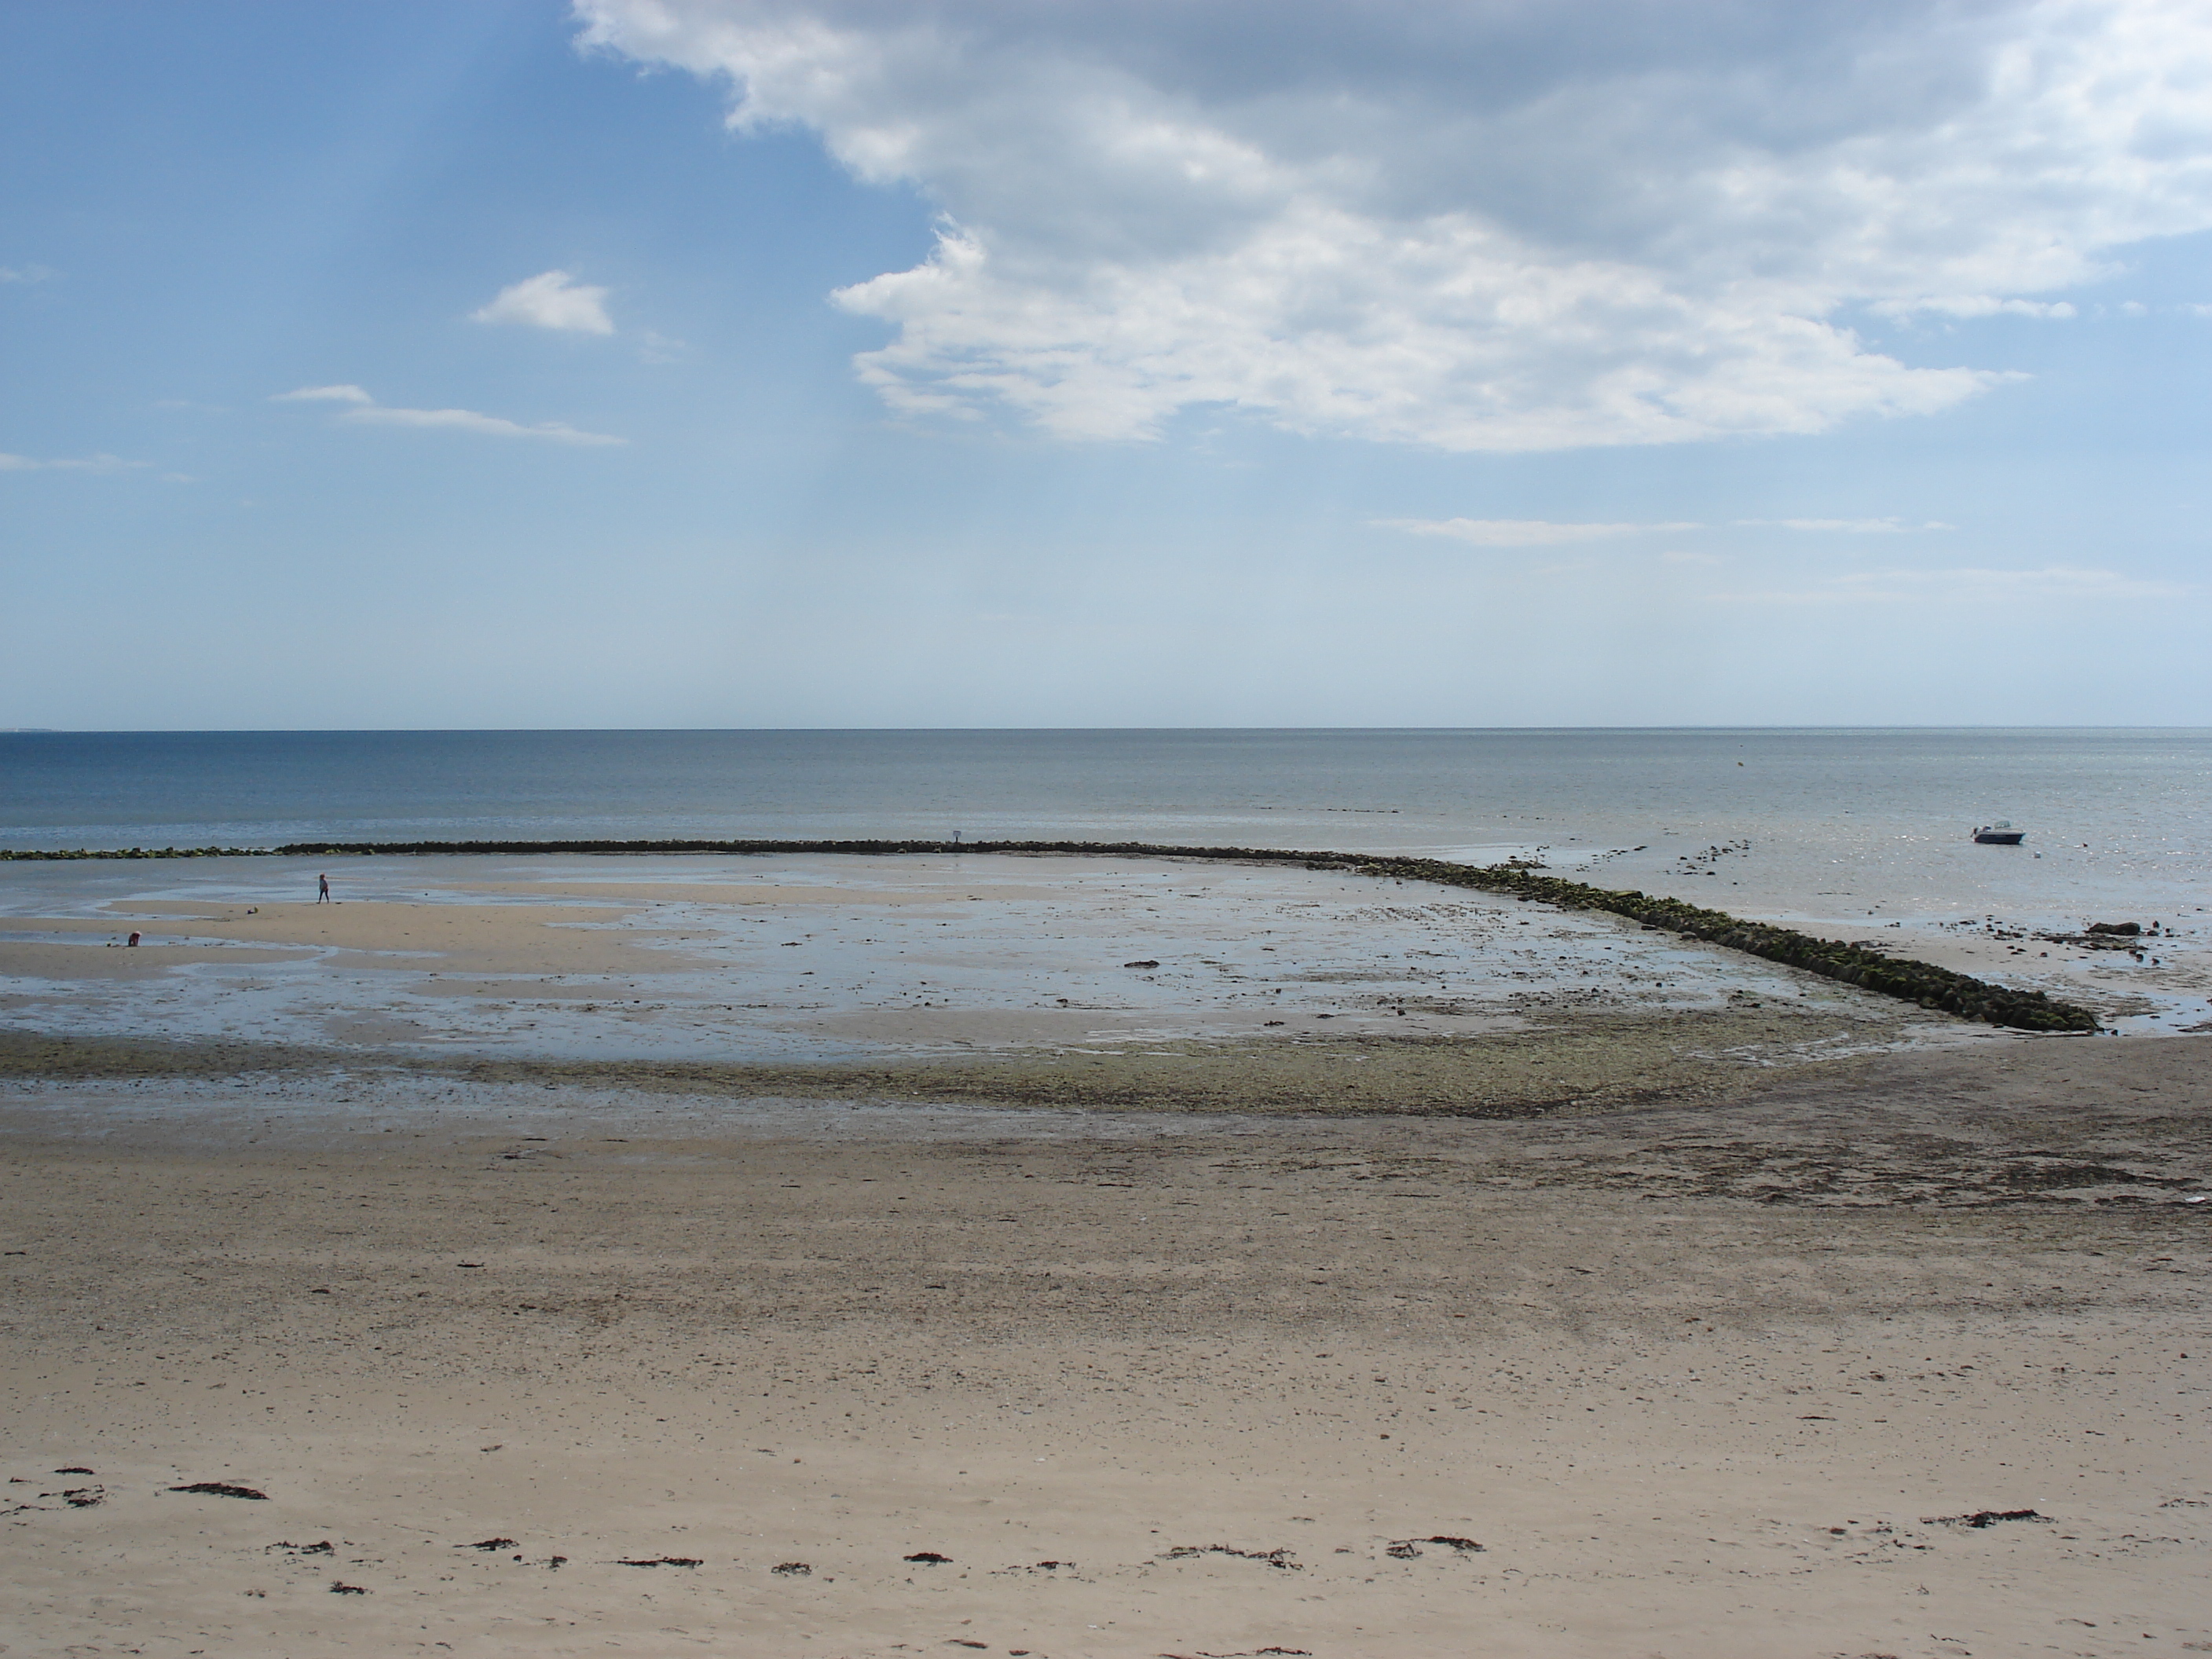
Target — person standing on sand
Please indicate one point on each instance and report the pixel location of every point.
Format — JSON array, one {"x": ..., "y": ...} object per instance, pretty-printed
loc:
[{"x": 322, "y": 890}]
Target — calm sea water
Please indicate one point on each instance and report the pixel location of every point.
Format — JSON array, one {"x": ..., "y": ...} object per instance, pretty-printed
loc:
[{"x": 1809, "y": 822}]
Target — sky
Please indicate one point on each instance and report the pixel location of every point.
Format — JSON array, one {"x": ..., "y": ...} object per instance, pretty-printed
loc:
[{"x": 662, "y": 363}]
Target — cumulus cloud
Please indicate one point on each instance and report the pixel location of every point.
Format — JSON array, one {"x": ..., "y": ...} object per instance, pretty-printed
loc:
[
  {"x": 1470, "y": 224},
  {"x": 552, "y": 299},
  {"x": 1522, "y": 532},
  {"x": 364, "y": 410}
]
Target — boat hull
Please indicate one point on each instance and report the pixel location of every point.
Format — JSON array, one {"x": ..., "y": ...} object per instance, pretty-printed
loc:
[{"x": 1998, "y": 837}]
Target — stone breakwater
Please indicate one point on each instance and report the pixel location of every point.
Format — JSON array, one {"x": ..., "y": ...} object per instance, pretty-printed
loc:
[
  {"x": 1920, "y": 983},
  {"x": 1901, "y": 977}
]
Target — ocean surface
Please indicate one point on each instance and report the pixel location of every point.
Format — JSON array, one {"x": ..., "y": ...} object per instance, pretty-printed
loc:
[{"x": 1807, "y": 822}]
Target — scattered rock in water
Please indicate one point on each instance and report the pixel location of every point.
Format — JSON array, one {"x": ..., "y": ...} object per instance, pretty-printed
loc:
[
  {"x": 931, "y": 1558},
  {"x": 792, "y": 1569},
  {"x": 339, "y": 1587},
  {"x": 488, "y": 1544},
  {"x": 2098, "y": 936},
  {"x": 75, "y": 1468},
  {"x": 1147, "y": 962},
  {"x": 660, "y": 1561},
  {"x": 323, "y": 1547},
  {"x": 221, "y": 1489}
]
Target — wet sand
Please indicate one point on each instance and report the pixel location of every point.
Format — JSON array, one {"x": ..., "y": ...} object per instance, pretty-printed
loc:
[{"x": 808, "y": 959}]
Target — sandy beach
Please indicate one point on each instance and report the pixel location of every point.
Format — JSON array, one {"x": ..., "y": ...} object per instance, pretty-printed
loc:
[{"x": 1570, "y": 1330}]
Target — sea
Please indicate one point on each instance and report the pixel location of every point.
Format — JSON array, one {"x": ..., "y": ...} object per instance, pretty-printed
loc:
[{"x": 2118, "y": 822}]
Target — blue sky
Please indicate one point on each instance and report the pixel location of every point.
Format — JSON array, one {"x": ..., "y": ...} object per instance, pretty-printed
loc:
[{"x": 700, "y": 363}]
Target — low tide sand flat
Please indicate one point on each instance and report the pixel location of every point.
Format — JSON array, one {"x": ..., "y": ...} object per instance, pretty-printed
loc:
[
  {"x": 1870, "y": 964},
  {"x": 824, "y": 957},
  {"x": 1624, "y": 1296}
]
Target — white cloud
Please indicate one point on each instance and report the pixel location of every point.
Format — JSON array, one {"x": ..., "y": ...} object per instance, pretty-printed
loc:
[
  {"x": 1973, "y": 585},
  {"x": 26, "y": 274},
  {"x": 1522, "y": 532},
  {"x": 365, "y": 409},
  {"x": 1975, "y": 304},
  {"x": 78, "y": 464},
  {"x": 1476, "y": 227},
  {"x": 468, "y": 420},
  {"x": 335, "y": 394},
  {"x": 554, "y": 300},
  {"x": 1848, "y": 526}
]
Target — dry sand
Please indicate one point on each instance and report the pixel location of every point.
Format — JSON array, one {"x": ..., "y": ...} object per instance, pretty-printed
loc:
[
  {"x": 1617, "y": 1299},
  {"x": 1698, "y": 1382}
]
